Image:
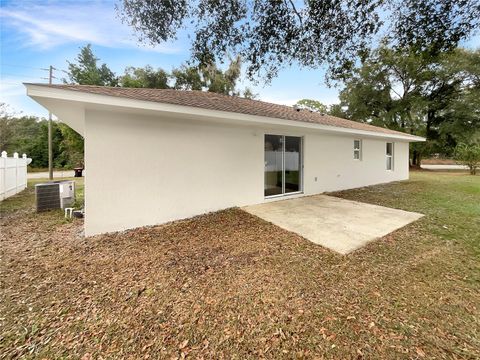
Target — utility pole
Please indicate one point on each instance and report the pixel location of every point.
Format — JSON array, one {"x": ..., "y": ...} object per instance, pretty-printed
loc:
[{"x": 50, "y": 147}]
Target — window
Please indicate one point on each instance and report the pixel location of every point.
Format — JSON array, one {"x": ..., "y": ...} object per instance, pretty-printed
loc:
[
  {"x": 389, "y": 156},
  {"x": 357, "y": 149}
]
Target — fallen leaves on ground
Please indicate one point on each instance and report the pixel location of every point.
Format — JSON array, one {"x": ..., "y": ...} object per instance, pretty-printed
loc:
[{"x": 230, "y": 285}]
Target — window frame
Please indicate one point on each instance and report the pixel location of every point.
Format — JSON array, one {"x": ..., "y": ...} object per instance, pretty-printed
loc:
[
  {"x": 389, "y": 156},
  {"x": 359, "y": 150}
]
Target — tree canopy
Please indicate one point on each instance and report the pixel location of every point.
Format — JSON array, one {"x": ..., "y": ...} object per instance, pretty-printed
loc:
[
  {"x": 87, "y": 72},
  {"x": 436, "y": 96},
  {"x": 147, "y": 77},
  {"x": 271, "y": 34},
  {"x": 312, "y": 105},
  {"x": 207, "y": 76},
  {"x": 29, "y": 135}
]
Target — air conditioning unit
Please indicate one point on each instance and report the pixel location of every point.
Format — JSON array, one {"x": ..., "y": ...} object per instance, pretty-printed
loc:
[{"x": 54, "y": 195}]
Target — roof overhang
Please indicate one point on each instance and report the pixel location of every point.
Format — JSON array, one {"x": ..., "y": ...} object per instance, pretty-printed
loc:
[{"x": 70, "y": 106}]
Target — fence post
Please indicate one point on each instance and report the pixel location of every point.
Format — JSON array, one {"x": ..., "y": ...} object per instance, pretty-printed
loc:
[
  {"x": 3, "y": 190},
  {"x": 15, "y": 156},
  {"x": 24, "y": 171}
]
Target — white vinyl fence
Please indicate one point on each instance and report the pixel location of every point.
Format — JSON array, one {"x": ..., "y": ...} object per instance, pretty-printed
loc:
[
  {"x": 273, "y": 160},
  {"x": 13, "y": 174}
]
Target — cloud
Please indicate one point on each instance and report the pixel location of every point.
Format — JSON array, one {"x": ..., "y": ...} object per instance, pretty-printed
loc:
[
  {"x": 50, "y": 24},
  {"x": 10, "y": 87},
  {"x": 12, "y": 93}
]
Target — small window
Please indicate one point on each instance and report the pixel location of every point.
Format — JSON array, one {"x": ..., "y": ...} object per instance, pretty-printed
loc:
[
  {"x": 357, "y": 149},
  {"x": 389, "y": 156}
]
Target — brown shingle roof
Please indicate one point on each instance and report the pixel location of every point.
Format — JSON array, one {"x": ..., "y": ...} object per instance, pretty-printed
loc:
[{"x": 213, "y": 101}]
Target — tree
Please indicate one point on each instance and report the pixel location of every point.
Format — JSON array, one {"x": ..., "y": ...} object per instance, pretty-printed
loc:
[
  {"x": 209, "y": 77},
  {"x": 386, "y": 88},
  {"x": 374, "y": 90},
  {"x": 312, "y": 105},
  {"x": 433, "y": 96},
  {"x": 187, "y": 78},
  {"x": 222, "y": 82},
  {"x": 337, "y": 110},
  {"x": 28, "y": 134},
  {"x": 271, "y": 34},
  {"x": 146, "y": 77},
  {"x": 454, "y": 116},
  {"x": 22, "y": 134},
  {"x": 249, "y": 94},
  {"x": 6, "y": 131},
  {"x": 71, "y": 147},
  {"x": 433, "y": 26},
  {"x": 87, "y": 72},
  {"x": 84, "y": 72},
  {"x": 469, "y": 155},
  {"x": 201, "y": 77}
]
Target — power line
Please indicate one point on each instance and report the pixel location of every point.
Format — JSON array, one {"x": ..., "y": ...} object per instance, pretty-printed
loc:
[
  {"x": 22, "y": 66},
  {"x": 23, "y": 76},
  {"x": 57, "y": 69},
  {"x": 48, "y": 78},
  {"x": 17, "y": 75},
  {"x": 36, "y": 68},
  {"x": 11, "y": 83}
]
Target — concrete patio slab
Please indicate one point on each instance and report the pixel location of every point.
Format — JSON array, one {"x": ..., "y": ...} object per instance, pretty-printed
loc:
[{"x": 338, "y": 224}]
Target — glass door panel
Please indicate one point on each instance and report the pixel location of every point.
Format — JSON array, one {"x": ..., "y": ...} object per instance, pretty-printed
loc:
[
  {"x": 292, "y": 164},
  {"x": 273, "y": 165},
  {"x": 283, "y": 165}
]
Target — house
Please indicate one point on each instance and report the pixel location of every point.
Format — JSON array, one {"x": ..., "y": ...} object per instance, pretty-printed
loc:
[{"x": 155, "y": 155}]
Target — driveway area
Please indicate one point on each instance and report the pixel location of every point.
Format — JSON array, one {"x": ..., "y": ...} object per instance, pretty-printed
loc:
[
  {"x": 337, "y": 224},
  {"x": 56, "y": 174},
  {"x": 444, "y": 167}
]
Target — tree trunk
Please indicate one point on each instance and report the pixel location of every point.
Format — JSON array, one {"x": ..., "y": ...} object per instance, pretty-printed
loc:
[
  {"x": 430, "y": 117},
  {"x": 416, "y": 158}
]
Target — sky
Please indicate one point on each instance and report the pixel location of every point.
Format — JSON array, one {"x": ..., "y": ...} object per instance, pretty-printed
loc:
[{"x": 35, "y": 34}]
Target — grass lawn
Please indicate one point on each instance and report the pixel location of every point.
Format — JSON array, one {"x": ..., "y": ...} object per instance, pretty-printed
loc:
[{"x": 230, "y": 285}]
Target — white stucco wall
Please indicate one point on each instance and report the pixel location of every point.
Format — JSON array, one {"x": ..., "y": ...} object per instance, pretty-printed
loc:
[
  {"x": 145, "y": 170},
  {"x": 330, "y": 159}
]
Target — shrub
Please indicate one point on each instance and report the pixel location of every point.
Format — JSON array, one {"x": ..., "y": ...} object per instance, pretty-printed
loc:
[{"x": 469, "y": 155}]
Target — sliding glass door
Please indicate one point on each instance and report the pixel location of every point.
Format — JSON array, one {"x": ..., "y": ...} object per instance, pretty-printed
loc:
[
  {"x": 292, "y": 164},
  {"x": 273, "y": 165},
  {"x": 283, "y": 165}
]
